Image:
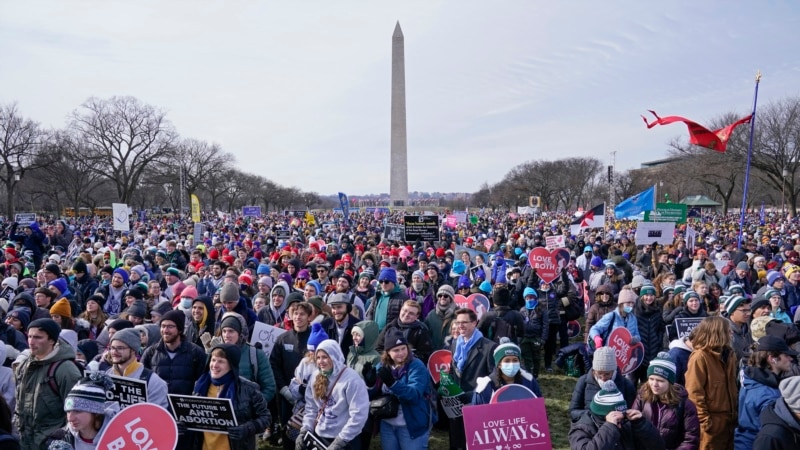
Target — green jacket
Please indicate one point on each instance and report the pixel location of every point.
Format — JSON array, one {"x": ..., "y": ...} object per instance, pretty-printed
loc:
[
  {"x": 357, "y": 357},
  {"x": 264, "y": 378},
  {"x": 40, "y": 411}
]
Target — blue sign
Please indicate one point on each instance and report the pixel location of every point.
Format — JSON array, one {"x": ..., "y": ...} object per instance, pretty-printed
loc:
[{"x": 251, "y": 211}]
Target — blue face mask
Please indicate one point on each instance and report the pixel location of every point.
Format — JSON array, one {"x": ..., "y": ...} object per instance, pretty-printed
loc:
[
  {"x": 627, "y": 309},
  {"x": 532, "y": 303},
  {"x": 509, "y": 369}
]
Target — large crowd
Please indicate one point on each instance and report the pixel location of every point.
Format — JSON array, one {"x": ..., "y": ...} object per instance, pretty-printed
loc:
[{"x": 174, "y": 306}]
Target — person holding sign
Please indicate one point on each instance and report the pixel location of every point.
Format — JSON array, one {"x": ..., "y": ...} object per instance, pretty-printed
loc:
[
  {"x": 255, "y": 365},
  {"x": 88, "y": 412},
  {"x": 221, "y": 380},
  {"x": 691, "y": 307},
  {"x": 336, "y": 404},
  {"x": 507, "y": 371},
  {"x": 123, "y": 348}
]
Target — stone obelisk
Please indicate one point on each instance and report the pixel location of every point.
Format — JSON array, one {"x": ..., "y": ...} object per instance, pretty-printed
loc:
[{"x": 398, "y": 169}]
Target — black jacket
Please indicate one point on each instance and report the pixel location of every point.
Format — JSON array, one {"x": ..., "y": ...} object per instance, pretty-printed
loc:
[
  {"x": 332, "y": 330},
  {"x": 417, "y": 334},
  {"x": 179, "y": 372},
  {"x": 587, "y": 387},
  {"x": 251, "y": 411},
  {"x": 288, "y": 351},
  {"x": 480, "y": 363},
  {"x": 651, "y": 329},
  {"x": 780, "y": 430},
  {"x": 594, "y": 433}
]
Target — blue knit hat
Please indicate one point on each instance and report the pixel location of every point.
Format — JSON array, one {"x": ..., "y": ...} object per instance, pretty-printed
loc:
[
  {"x": 60, "y": 284},
  {"x": 459, "y": 267},
  {"x": 122, "y": 273},
  {"x": 316, "y": 337},
  {"x": 263, "y": 269},
  {"x": 388, "y": 274},
  {"x": 464, "y": 282},
  {"x": 485, "y": 287}
]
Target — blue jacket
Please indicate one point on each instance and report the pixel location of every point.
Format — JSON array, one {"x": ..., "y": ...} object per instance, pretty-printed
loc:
[
  {"x": 487, "y": 386},
  {"x": 414, "y": 390},
  {"x": 613, "y": 320},
  {"x": 759, "y": 389}
]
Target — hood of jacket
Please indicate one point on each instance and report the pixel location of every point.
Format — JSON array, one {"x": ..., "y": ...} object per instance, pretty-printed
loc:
[
  {"x": 753, "y": 376},
  {"x": 331, "y": 347},
  {"x": 63, "y": 351},
  {"x": 285, "y": 286},
  {"x": 153, "y": 332},
  {"x": 371, "y": 333}
]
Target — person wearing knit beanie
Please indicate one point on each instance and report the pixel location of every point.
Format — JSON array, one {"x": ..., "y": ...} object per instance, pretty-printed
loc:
[
  {"x": 60, "y": 284},
  {"x": 316, "y": 337},
  {"x": 608, "y": 399},
  {"x": 89, "y": 395},
  {"x": 88, "y": 349},
  {"x": 229, "y": 293},
  {"x": 130, "y": 337},
  {"x": 19, "y": 318},
  {"x": 663, "y": 366},
  {"x": 604, "y": 360},
  {"x": 123, "y": 274},
  {"x": 137, "y": 312},
  {"x": 176, "y": 317},
  {"x": 232, "y": 322},
  {"x": 61, "y": 308},
  {"x": 506, "y": 348},
  {"x": 447, "y": 290},
  {"x": 49, "y": 326}
]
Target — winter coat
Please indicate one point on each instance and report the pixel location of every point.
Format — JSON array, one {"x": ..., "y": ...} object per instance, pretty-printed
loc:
[
  {"x": 271, "y": 315},
  {"x": 479, "y": 363},
  {"x": 40, "y": 411},
  {"x": 711, "y": 384},
  {"x": 156, "y": 387},
  {"x": 414, "y": 390},
  {"x": 181, "y": 371},
  {"x": 780, "y": 429},
  {"x": 426, "y": 299},
  {"x": 263, "y": 376},
  {"x": 487, "y": 385},
  {"x": 288, "y": 351},
  {"x": 86, "y": 285},
  {"x": 365, "y": 353},
  {"x": 759, "y": 389},
  {"x": 193, "y": 330},
  {"x": 513, "y": 317},
  {"x": 345, "y": 410},
  {"x": 331, "y": 328},
  {"x": 587, "y": 387},
  {"x": 417, "y": 335},
  {"x": 388, "y": 302},
  {"x": 534, "y": 323},
  {"x": 681, "y": 433},
  {"x": 596, "y": 312},
  {"x": 742, "y": 341},
  {"x": 650, "y": 324},
  {"x": 591, "y": 432},
  {"x": 612, "y": 320},
  {"x": 680, "y": 352},
  {"x": 439, "y": 324}
]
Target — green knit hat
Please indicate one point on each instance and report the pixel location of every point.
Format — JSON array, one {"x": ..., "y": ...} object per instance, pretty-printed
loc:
[
  {"x": 608, "y": 399},
  {"x": 506, "y": 348},
  {"x": 663, "y": 366}
]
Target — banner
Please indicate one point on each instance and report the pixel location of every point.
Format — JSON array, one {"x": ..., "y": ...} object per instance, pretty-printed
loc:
[
  {"x": 639, "y": 203},
  {"x": 266, "y": 335},
  {"x": 120, "y": 215},
  {"x": 649, "y": 232},
  {"x": 554, "y": 242},
  {"x": 251, "y": 211},
  {"x": 140, "y": 426},
  {"x": 394, "y": 232},
  {"x": 203, "y": 413},
  {"x": 461, "y": 216},
  {"x": 526, "y": 210},
  {"x": 195, "y": 208},
  {"x": 472, "y": 253},
  {"x": 450, "y": 221},
  {"x": 667, "y": 212},
  {"x": 499, "y": 426},
  {"x": 345, "y": 204},
  {"x": 197, "y": 236},
  {"x": 685, "y": 325},
  {"x": 127, "y": 391},
  {"x": 25, "y": 218},
  {"x": 422, "y": 228}
]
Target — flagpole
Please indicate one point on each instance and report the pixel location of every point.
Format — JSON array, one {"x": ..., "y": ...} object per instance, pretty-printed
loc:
[{"x": 749, "y": 157}]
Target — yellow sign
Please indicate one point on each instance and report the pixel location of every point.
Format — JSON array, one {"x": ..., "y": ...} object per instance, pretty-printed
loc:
[
  {"x": 310, "y": 220},
  {"x": 195, "y": 209}
]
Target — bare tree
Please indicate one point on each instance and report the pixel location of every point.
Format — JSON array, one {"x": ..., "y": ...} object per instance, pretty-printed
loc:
[
  {"x": 198, "y": 159},
  {"x": 20, "y": 144},
  {"x": 124, "y": 138}
]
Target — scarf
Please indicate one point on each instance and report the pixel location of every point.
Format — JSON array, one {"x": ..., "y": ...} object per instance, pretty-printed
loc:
[
  {"x": 399, "y": 371},
  {"x": 132, "y": 367},
  {"x": 463, "y": 348},
  {"x": 444, "y": 311},
  {"x": 228, "y": 383}
]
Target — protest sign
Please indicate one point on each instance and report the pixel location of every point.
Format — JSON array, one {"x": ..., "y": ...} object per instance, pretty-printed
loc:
[
  {"x": 120, "y": 216},
  {"x": 667, "y": 212},
  {"x": 511, "y": 392},
  {"x": 461, "y": 216},
  {"x": 449, "y": 395},
  {"x": 629, "y": 356},
  {"x": 266, "y": 335},
  {"x": 251, "y": 211},
  {"x": 25, "y": 218},
  {"x": 283, "y": 234},
  {"x": 127, "y": 391},
  {"x": 394, "y": 232},
  {"x": 450, "y": 221},
  {"x": 438, "y": 361},
  {"x": 691, "y": 238},
  {"x": 496, "y": 426},
  {"x": 476, "y": 302},
  {"x": 548, "y": 263},
  {"x": 423, "y": 228},
  {"x": 198, "y": 233},
  {"x": 472, "y": 253},
  {"x": 685, "y": 325},
  {"x": 649, "y": 232},
  {"x": 553, "y": 242},
  {"x": 203, "y": 413},
  {"x": 144, "y": 425}
]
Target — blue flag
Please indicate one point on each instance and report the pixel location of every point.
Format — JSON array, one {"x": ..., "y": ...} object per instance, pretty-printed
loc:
[
  {"x": 639, "y": 203},
  {"x": 345, "y": 207},
  {"x": 761, "y": 217}
]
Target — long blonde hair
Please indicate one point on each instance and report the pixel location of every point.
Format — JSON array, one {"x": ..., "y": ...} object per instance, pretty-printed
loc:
[
  {"x": 671, "y": 397},
  {"x": 322, "y": 381}
]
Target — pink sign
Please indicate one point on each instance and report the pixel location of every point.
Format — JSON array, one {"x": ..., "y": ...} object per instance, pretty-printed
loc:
[
  {"x": 497, "y": 426},
  {"x": 450, "y": 221},
  {"x": 548, "y": 264},
  {"x": 438, "y": 361},
  {"x": 144, "y": 425},
  {"x": 476, "y": 302},
  {"x": 629, "y": 356}
]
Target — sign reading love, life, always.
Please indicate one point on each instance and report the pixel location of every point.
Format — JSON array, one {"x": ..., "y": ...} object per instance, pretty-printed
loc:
[
  {"x": 496, "y": 426},
  {"x": 476, "y": 302},
  {"x": 438, "y": 361},
  {"x": 548, "y": 264},
  {"x": 629, "y": 356}
]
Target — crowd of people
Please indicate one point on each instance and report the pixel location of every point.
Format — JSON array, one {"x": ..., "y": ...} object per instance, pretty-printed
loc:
[{"x": 361, "y": 315}]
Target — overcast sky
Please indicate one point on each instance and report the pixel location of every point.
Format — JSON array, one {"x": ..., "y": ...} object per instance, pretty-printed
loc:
[{"x": 300, "y": 91}]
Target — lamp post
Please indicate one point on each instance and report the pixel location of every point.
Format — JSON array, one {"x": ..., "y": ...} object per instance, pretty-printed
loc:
[{"x": 784, "y": 174}]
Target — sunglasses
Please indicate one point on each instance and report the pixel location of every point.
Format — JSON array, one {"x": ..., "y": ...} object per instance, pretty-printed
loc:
[{"x": 443, "y": 296}]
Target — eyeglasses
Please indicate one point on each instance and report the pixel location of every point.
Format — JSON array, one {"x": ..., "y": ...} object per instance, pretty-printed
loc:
[
  {"x": 443, "y": 296},
  {"x": 385, "y": 282},
  {"x": 462, "y": 324}
]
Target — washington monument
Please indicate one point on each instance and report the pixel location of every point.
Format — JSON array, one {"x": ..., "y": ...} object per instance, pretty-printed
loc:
[{"x": 398, "y": 169}]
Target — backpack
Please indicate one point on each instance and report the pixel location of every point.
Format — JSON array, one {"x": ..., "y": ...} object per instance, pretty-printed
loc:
[
  {"x": 500, "y": 328},
  {"x": 254, "y": 361},
  {"x": 50, "y": 378},
  {"x": 574, "y": 310}
]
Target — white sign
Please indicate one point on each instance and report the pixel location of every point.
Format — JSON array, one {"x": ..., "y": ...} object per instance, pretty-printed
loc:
[
  {"x": 649, "y": 232},
  {"x": 461, "y": 216},
  {"x": 120, "y": 217},
  {"x": 553, "y": 242},
  {"x": 526, "y": 210},
  {"x": 691, "y": 238},
  {"x": 266, "y": 335}
]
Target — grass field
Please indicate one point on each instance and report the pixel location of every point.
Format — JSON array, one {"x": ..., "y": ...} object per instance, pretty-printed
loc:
[{"x": 557, "y": 390}]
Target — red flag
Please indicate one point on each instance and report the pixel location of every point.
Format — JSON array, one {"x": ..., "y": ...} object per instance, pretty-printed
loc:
[{"x": 699, "y": 135}]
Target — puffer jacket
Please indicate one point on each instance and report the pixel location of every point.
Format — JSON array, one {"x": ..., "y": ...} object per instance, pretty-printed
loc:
[
  {"x": 364, "y": 354},
  {"x": 759, "y": 389},
  {"x": 181, "y": 371},
  {"x": 417, "y": 335},
  {"x": 40, "y": 411},
  {"x": 587, "y": 387},
  {"x": 681, "y": 433},
  {"x": 394, "y": 300},
  {"x": 591, "y": 432},
  {"x": 650, "y": 323}
]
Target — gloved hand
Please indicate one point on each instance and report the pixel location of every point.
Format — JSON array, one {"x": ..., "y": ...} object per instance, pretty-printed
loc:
[
  {"x": 565, "y": 301},
  {"x": 287, "y": 394},
  {"x": 369, "y": 375},
  {"x": 215, "y": 341},
  {"x": 205, "y": 338},
  {"x": 181, "y": 428},
  {"x": 386, "y": 376},
  {"x": 338, "y": 444},
  {"x": 11, "y": 353},
  {"x": 598, "y": 342},
  {"x": 298, "y": 443},
  {"x": 538, "y": 342},
  {"x": 635, "y": 340},
  {"x": 238, "y": 433}
]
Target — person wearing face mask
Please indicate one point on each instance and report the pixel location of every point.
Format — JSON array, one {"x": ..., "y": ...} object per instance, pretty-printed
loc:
[
  {"x": 604, "y": 368},
  {"x": 622, "y": 316},
  {"x": 507, "y": 371},
  {"x": 535, "y": 330},
  {"x": 650, "y": 321},
  {"x": 421, "y": 292}
]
